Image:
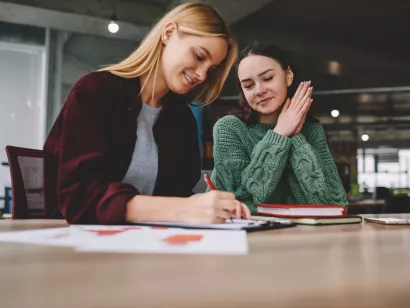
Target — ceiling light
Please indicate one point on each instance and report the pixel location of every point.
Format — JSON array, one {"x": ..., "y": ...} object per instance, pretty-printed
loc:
[
  {"x": 335, "y": 113},
  {"x": 113, "y": 27}
]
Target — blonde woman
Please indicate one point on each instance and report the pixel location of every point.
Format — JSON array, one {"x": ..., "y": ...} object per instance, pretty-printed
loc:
[{"x": 124, "y": 146}]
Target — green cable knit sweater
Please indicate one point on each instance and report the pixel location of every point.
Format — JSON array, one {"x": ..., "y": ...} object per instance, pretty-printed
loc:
[{"x": 261, "y": 166}]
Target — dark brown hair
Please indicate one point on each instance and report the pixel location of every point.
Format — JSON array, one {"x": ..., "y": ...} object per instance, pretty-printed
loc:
[{"x": 266, "y": 49}]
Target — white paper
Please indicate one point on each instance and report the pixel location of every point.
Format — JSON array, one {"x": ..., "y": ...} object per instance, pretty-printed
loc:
[
  {"x": 134, "y": 239},
  {"x": 170, "y": 241},
  {"x": 62, "y": 236},
  {"x": 52, "y": 237}
]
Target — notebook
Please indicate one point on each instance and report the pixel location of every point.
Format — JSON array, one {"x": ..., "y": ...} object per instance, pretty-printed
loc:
[
  {"x": 234, "y": 224},
  {"x": 389, "y": 221},
  {"x": 301, "y": 210},
  {"x": 322, "y": 221}
]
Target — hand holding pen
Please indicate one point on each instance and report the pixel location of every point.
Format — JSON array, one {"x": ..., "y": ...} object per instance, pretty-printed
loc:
[{"x": 241, "y": 210}]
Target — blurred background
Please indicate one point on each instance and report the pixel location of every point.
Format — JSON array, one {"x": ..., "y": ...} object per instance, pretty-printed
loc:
[{"x": 355, "y": 52}]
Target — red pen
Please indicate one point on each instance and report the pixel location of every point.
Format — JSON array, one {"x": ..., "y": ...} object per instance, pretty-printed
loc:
[{"x": 210, "y": 184}]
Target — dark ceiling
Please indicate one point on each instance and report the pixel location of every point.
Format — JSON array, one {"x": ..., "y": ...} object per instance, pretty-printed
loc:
[
  {"x": 370, "y": 42},
  {"x": 370, "y": 24},
  {"x": 369, "y": 39},
  {"x": 360, "y": 48}
]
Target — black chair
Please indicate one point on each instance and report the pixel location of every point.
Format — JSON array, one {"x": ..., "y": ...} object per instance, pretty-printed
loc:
[{"x": 26, "y": 170}]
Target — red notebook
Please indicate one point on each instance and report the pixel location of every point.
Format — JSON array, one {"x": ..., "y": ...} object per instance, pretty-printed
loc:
[{"x": 301, "y": 210}]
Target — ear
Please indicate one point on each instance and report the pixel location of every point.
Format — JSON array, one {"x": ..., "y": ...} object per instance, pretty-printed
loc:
[
  {"x": 289, "y": 76},
  {"x": 168, "y": 31}
]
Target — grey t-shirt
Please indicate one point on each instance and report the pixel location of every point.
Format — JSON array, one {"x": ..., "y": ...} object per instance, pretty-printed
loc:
[{"x": 143, "y": 170}]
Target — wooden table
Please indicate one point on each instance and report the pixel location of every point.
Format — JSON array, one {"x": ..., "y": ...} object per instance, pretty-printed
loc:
[{"x": 365, "y": 265}]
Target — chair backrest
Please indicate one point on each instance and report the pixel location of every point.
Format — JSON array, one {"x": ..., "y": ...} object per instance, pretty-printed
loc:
[{"x": 26, "y": 171}]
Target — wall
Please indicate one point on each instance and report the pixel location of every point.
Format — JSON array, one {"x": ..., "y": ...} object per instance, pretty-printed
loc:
[
  {"x": 27, "y": 58},
  {"x": 22, "y": 100},
  {"x": 83, "y": 54}
]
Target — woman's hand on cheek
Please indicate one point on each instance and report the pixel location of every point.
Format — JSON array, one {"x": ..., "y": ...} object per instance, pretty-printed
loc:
[
  {"x": 292, "y": 117},
  {"x": 293, "y": 113},
  {"x": 307, "y": 103},
  {"x": 299, "y": 128}
]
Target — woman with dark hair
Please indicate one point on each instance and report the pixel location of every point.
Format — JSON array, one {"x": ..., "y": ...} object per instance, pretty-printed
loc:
[{"x": 271, "y": 150}]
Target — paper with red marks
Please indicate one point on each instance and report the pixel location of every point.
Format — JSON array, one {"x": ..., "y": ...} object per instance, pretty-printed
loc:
[
  {"x": 170, "y": 241},
  {"x": 134, "y": 239}
]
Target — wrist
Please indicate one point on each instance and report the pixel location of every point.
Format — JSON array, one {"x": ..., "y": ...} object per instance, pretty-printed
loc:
[
  {"x": 130, "y": 209},
  {"x": 180, "y": 208},
  {"x": 280, "y": 132}
]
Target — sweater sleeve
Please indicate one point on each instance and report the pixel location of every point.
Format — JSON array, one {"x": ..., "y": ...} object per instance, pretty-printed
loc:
[
  {"x": 251, "y": 174},
  {"x": 314, "y": 179}
]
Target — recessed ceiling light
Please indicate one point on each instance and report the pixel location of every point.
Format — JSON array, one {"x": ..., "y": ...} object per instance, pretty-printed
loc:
[
  {"x": 335, "y": 113},
  {"x": 365, "y": 137}
]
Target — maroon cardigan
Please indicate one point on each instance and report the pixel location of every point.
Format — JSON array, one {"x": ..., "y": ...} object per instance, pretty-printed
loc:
[{"x": 90, "y": 146}]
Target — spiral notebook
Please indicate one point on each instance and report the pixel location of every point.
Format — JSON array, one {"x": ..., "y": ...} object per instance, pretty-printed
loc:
[{"x": 234, "y": 224}]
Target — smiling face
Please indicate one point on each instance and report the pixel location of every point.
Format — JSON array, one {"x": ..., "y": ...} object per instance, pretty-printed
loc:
[
  {"x": 187, "y": 59},
  {"x": 264, "y": 83}
]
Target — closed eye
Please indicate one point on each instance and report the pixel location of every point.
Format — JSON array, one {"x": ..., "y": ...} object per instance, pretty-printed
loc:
[
  {"x": 199, "y": 57},
  {"x": 248, "y": 86},
  {"x": 268, "y": 78}
]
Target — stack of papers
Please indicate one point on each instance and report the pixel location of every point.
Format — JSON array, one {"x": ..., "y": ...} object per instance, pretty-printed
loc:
[{"x": 135, "y": 239}]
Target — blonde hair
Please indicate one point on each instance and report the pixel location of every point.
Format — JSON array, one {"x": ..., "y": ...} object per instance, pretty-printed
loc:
[{"x": 193, "y": 18}]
